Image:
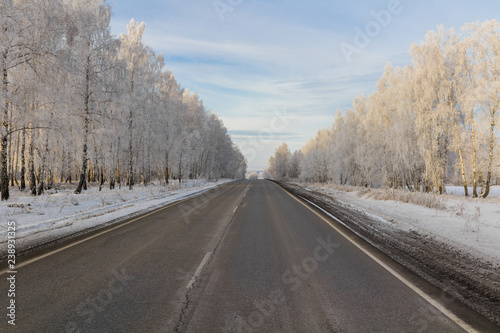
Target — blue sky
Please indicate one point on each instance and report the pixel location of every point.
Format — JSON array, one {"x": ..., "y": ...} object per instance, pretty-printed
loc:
[{"x": 274, "y": 70}]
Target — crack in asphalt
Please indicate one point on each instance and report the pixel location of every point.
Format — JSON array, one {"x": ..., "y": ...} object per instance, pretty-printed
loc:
[{"x": 183, "y": 317}]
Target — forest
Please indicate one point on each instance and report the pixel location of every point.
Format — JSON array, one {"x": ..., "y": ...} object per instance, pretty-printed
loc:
[
  {"x": 79, "y": 105},
  {"x": 428, "y": 124}
]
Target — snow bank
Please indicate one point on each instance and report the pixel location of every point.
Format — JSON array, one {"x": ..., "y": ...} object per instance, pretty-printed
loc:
[
  {"x": 471, "y": 225},
  {"x": 60, "y": 213}
]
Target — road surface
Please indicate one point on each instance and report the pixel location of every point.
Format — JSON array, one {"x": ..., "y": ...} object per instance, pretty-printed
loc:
[{"x": 245, "y": 257}]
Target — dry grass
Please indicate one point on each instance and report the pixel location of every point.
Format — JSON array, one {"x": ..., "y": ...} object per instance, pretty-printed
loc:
[
  {"x": 341, "y": 188},
  {"x": 429, "y": 200}
]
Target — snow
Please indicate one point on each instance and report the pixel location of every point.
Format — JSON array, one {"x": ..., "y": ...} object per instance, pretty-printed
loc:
[
  {"x": 58, "y": 214},
  {"x": 470, "y": 225},
  {"x": 459, "y": 190}
]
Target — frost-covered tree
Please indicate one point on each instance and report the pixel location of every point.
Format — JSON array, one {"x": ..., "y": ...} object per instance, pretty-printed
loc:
[
  {"x": 280, "y": 163},
  {"x": 136, "y": 56},
  {"x": 295, "y": 164},
  {"x": 80, "y": 104},
  {"x": 19, "y": 47},
  {"x": 89, "y": 55},
  {"x": 486, "y": 37},
  {"x": 428, "y": 124}
]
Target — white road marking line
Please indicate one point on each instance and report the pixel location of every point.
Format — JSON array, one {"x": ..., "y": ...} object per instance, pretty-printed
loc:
[
  {"x": 234, "y": 210},
  {"x": 198, "y": 270},
  {"x": 416, "y": 289}
]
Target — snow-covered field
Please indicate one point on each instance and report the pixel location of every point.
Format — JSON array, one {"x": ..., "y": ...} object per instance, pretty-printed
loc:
[
  {"x": 59, "y": 213},
  {"x": 470, "y": 225},
  {"x": 459, "y": 190}
]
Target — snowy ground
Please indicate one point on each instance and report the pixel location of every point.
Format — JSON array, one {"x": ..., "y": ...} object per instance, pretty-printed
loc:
[
  {"x": 470, "y": 225},
  {"x": 59, "y": 213},
  {"x": 459, "y": 190}
]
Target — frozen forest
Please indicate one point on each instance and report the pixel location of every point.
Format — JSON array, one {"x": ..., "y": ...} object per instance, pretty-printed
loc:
[
  {"x": 428, "y": 124},
  {"x": 79, "y": 105}
]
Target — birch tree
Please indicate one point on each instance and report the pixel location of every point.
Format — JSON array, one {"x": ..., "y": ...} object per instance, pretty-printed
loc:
[
  {"x": 487, "y": 36},
  {"x": 135, "y": 55},
  {"x": 89, "y": 53}
]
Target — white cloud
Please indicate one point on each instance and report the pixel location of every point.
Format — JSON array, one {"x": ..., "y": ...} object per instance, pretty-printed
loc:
[{"x": 280, "y": 53}]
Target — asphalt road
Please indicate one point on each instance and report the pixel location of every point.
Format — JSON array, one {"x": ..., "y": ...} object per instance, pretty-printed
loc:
[{"x": 245, "y": 257}]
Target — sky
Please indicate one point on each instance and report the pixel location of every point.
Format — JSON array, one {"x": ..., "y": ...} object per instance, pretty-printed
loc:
[{"x": 278, "y": 71}]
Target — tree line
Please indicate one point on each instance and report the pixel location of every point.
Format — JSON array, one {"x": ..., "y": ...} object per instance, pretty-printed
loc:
[
  {"x": 81, "y": 105},
  {"x": 430, "y": 123}
]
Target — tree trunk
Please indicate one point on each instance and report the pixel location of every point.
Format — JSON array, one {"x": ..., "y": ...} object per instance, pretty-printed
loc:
[
  {"x": 14, "y": 172},
  {"x": 69, "y": 176},
  {"x": 429, "y": 163},
  {"x": 63, "y": 165},
  {"x": 167, "y": 171},
  {"x": 492, "y": 146},
  {"x": 95, "y": 167},
  {"x": 50, "y": 183},
  {"x": 31, "y": 163},
  {"x": 101, "y": 178},
  {"x": 386, "y": 167},
  {"x": 437, "y": 171},
  {"x": 130, "y": 179},
  {"x": 83, "y": 179},
  {"x": 474, "y": 158},
  {"x": 46, "y": 151},
  {"x": 148, "y": 177},
  {"x": 180, "y": 169},
  {"x": 118, "y": 178},
  {"x": 10, "y": 155},
  {"x": 4, "y": 177},
  {"x": 457, "y": 136},
  {"x": 445, "y": 159},
  {"x": 23, "y": 161},
  {"x": 130, "y": 152}
]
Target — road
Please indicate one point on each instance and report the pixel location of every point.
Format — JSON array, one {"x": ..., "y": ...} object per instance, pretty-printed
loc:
[{"x": 244, "y": 257}]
